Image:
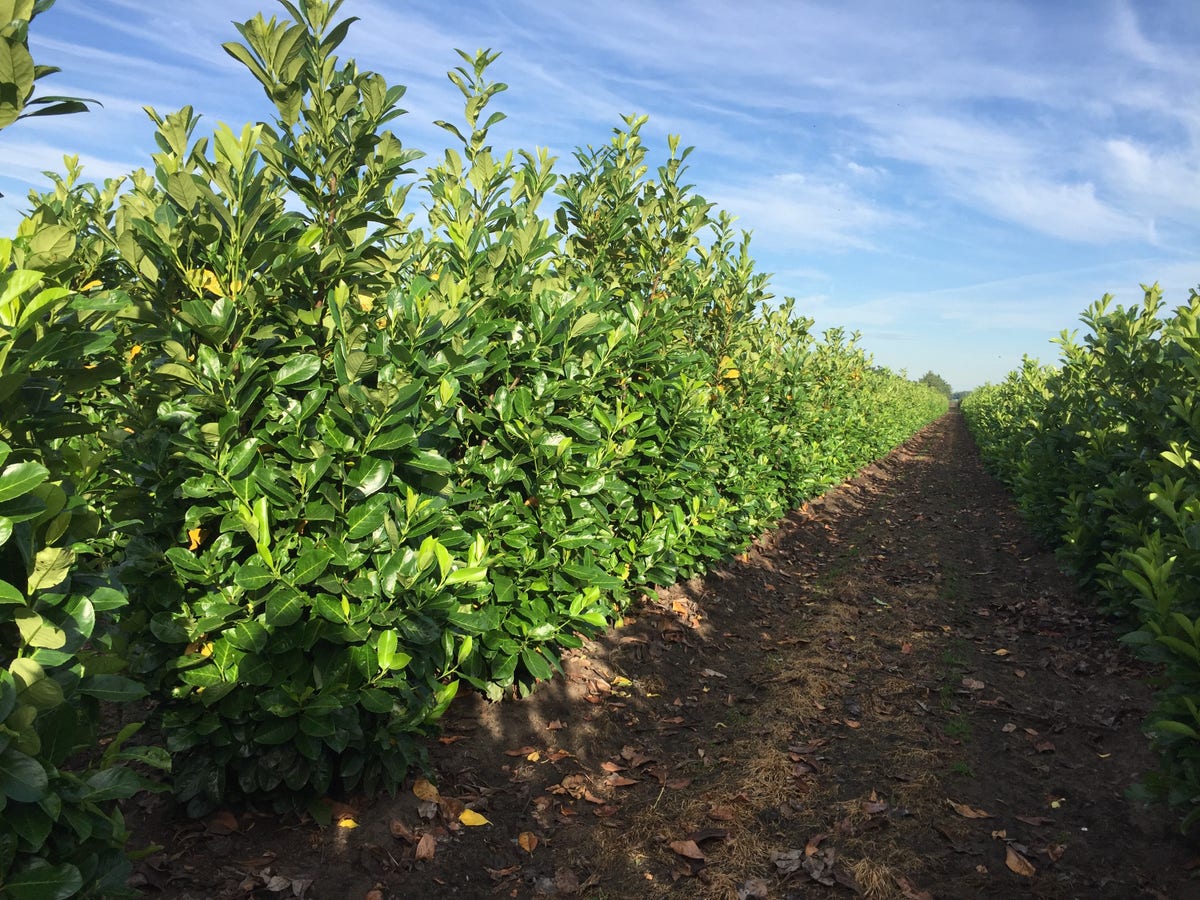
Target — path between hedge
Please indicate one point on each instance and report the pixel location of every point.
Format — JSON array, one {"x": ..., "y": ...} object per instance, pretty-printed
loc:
[{"x": 895, "y": 694}]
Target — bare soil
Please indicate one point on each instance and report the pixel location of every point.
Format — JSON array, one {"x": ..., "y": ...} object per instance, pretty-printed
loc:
[{"x": 894, "y": 694}]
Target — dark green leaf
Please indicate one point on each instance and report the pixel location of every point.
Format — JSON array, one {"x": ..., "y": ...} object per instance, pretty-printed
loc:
[
  {"x": 311, "y": 564},
  {"x": 365, "y": 518},
  {"x": 112, "y": 688},
  {"x": 285, "y": 605},
  {"x": 22, "y": 778},
  {"x": 47, "y": 882}
]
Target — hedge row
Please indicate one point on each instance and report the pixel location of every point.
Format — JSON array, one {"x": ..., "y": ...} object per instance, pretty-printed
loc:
[
  {"x": 327, "y": 459},
  {"x": 1100, "y": 453}
]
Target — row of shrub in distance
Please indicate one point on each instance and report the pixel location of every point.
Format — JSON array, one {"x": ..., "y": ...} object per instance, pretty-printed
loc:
[
  {"x": 343, "y": 462},
  {"x": 1102, "y": 455}
]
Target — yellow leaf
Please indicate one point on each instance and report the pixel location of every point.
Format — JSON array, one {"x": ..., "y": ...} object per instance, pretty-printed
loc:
[
  {"x": 206, "y": 649},
  {"x": 470, "y": 817},
  {"x": 425, "y": 791},
  {"x": 347, "y": 823},
  {"x": 731, "y": 373},
  {"x": 94, "y": 283},
  {"x": 210, "y": 283},
  {"x": 196, "y": 537},
  {"x": 133, "y": 352}
]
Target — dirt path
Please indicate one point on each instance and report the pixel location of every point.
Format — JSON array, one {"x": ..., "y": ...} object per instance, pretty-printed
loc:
[{"x": 896, "y": 694}]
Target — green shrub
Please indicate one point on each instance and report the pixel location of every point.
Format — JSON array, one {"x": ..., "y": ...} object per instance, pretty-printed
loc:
[
  {"x": 62, "y": 833},
  {"x": 357, "y": 461},
  {"x": 1100, "y": 456}
]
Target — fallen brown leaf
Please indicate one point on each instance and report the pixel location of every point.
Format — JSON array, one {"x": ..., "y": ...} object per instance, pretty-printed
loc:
[
  {"x": 402, "y": 832},
  {"x": 1018, "y": 863},
  {"x": 527, "y": 841},
  {"x": 973, "y": 684},
  {"x": 222, "y": 822},
  {"x": 708, "y": 834},
  {"x": 688, "y": 849},
  {"x": 426, "y": 847},
  {"x": 874, "y": 805},
  {"x": 968, "y": 812},
  {"x": 450, "y": 807}
]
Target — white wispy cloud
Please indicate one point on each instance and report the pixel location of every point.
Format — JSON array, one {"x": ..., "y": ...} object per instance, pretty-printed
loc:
[
  {"x": 1022, "y": 157},
  {"x": 795, "y": 212}
]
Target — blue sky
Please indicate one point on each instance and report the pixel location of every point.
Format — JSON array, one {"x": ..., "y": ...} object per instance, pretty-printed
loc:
[{"x": 957, "y": 181}]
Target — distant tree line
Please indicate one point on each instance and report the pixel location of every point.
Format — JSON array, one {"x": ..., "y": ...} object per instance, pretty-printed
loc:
[{"x": 937, "y": 382}]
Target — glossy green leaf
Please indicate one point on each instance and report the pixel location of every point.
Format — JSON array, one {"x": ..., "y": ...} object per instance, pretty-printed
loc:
[
  {"x": 365, "y": 518},
  {"x": 285, "y": 605},
  {"x": 47, "y": 882},
  {"x": 311, "y": 564},
  {"x": 298, "y": 370},
  {"x": 22, "y": 778},
  {"x": 21, "y": 478}
]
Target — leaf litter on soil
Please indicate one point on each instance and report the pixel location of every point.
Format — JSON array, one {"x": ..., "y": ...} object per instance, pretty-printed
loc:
[{"x": 794, "y": 722}]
